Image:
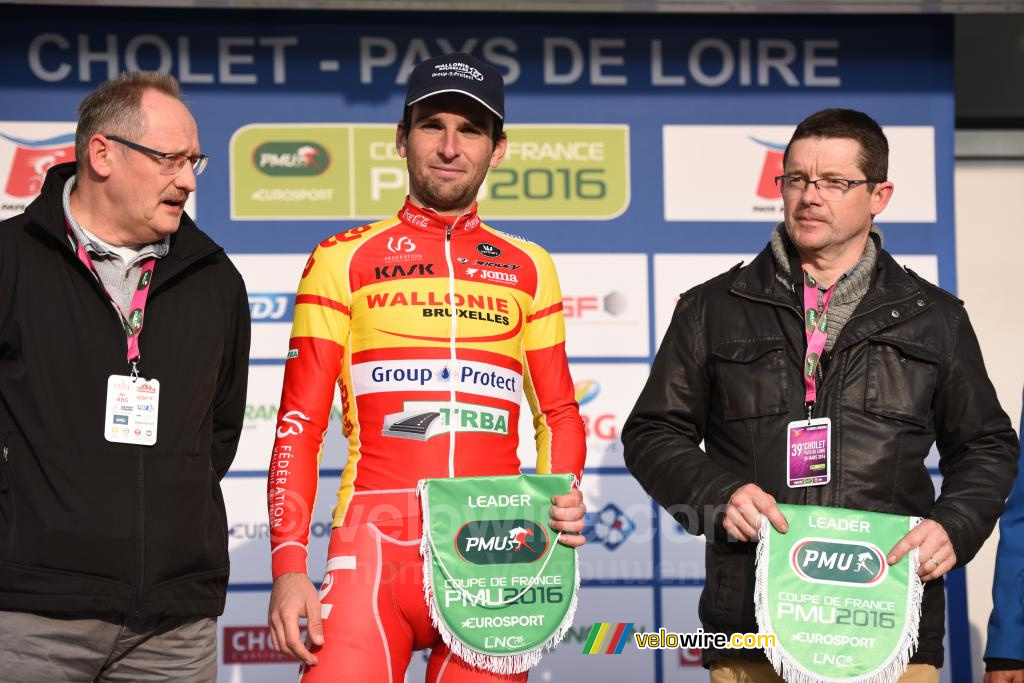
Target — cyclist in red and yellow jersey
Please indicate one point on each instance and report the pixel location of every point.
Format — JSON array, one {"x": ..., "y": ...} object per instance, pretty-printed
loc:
[{"x": 434, "y": 326}]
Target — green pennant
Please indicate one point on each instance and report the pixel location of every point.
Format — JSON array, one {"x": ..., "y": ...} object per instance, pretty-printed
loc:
[
  {"x": 500, "y": 587},
  {"x": 838, "y": 610}
]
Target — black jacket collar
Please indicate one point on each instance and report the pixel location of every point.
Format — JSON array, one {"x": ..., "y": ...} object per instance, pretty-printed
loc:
[
  {"x": 189, "y": 244},
  {"x": 890, "y": 283},
  {"x": 893, "y": 297}
]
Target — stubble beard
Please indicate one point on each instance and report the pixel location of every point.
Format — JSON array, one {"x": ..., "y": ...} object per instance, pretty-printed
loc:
[{"x": 444, "y": 196}]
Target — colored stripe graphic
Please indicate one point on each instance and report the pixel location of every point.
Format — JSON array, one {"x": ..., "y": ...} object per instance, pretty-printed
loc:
[
  {"x": 593, "y": 645},
  {"x": 607, "y": 638},
  {"x": 614, "y": 640},
  {"x": 626, "y": 633}
]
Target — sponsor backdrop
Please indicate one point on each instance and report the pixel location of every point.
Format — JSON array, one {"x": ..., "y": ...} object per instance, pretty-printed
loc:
[{"x": 642, "y": 151}]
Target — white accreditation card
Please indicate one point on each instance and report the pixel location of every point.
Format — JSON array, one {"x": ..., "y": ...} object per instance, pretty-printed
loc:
[{"x": 132, "y": 409}]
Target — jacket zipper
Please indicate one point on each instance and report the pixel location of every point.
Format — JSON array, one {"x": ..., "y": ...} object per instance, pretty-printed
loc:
[
  {"x": 136, "y": 605},
  {"x": 136, "y": 608}
]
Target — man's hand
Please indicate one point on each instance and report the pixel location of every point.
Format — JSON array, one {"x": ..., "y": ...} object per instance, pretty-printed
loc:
[
  {"x": 1013, "y": 676},
  {"x": 743, "y": 514},
  {"x": 294, "y": 596},
  {"x": 935, "y": 550},
  {"x": 567, "y": 516}
]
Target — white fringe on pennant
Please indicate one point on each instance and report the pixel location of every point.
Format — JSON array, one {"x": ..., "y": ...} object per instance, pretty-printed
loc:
[
  {"x": 500, "y": 664},
  {"x": 791, "y": 670}
]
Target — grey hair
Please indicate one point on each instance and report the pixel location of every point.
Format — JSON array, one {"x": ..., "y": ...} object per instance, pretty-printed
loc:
[{"x": 115, "y": 108}]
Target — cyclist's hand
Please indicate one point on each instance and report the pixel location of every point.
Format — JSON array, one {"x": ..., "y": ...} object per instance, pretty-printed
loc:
[
  {"x": 567, "y": 516},
  {"x": 293, "y": 597}
]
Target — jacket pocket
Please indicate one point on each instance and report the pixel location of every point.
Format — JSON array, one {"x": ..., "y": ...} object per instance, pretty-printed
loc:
[
  {"x": 901, "y": 380},
  {"x": 752, "y": 377}
]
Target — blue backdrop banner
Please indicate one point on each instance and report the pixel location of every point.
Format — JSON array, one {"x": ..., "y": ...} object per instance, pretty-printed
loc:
[{"x": 642, "y": 151}]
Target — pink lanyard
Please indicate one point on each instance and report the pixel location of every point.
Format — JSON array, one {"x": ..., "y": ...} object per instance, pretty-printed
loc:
[
  {"x": 133, "y": 321},
  {"x": 816, "y": 326}
]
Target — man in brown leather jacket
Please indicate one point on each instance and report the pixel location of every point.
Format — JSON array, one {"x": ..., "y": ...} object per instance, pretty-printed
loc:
[{"x": 900, "y": 370}]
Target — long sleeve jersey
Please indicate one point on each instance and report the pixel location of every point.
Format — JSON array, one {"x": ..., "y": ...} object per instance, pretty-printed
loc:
[{"x": 433, "y": 327}]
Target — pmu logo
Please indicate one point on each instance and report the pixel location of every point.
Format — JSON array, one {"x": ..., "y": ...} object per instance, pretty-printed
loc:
[
  {"x": 586, "y": 306},
  {"x": 291, "y": 158},
  {"x": 610, "y": 526},
  {"x": 31, "y": 160},
  {"x": 771, "y": 167},
  {"x": 271, "y": 307},
  {"x": 501, "y": 541},
  {"x": 839, "y": 563}
]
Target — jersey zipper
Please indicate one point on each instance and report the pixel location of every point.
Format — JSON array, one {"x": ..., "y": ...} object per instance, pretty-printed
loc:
[{"x": 451, "y": 344}]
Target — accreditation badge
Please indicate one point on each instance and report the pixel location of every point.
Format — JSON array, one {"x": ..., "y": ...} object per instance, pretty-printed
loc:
[
  {"x": 133, "y": 404},
  {"x": 809, "y": 452},
  {"x": 838, "y": 611},
  {"x": 500, "y": 588}
]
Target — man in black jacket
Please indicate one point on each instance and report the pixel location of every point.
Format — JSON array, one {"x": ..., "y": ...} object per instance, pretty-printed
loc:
[
  {"x": 124, "y": 338},
  {"x": 900, "y": 369}
]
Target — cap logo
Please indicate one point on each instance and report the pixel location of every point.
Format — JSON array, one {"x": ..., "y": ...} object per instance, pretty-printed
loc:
[{"x": 457, "y": 69}]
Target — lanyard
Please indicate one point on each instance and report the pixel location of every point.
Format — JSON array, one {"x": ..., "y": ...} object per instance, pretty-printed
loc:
[
  {"x": 133, "y": 321},
  {"x": 816, "y": 327}
]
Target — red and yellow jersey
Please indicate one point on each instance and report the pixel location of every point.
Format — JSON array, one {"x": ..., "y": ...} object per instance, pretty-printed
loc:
[{"x": 434, "y": 328}]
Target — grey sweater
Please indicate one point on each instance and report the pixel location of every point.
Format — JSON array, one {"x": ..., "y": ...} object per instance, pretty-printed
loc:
[{"x": 850, "y": 287}]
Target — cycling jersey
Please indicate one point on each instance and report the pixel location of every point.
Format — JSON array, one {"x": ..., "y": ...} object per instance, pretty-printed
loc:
[{"x": 433, "y": 327}]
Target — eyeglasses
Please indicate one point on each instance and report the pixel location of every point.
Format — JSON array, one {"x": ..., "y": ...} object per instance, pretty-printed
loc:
[
  {"x": 830, "y": 189},
  {"x": 170, "y": 163}
]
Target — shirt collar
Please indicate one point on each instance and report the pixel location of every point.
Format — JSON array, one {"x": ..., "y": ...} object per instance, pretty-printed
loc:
[
  {"x": 95, "y": 245},
  {"x": 428, "y": 219}
]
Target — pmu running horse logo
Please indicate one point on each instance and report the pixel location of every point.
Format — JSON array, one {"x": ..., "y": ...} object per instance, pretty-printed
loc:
[
  {"x": 519, "y": 535},
  {"x": 862, "y": 563},
  {"x": 32, "y": 159}
]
